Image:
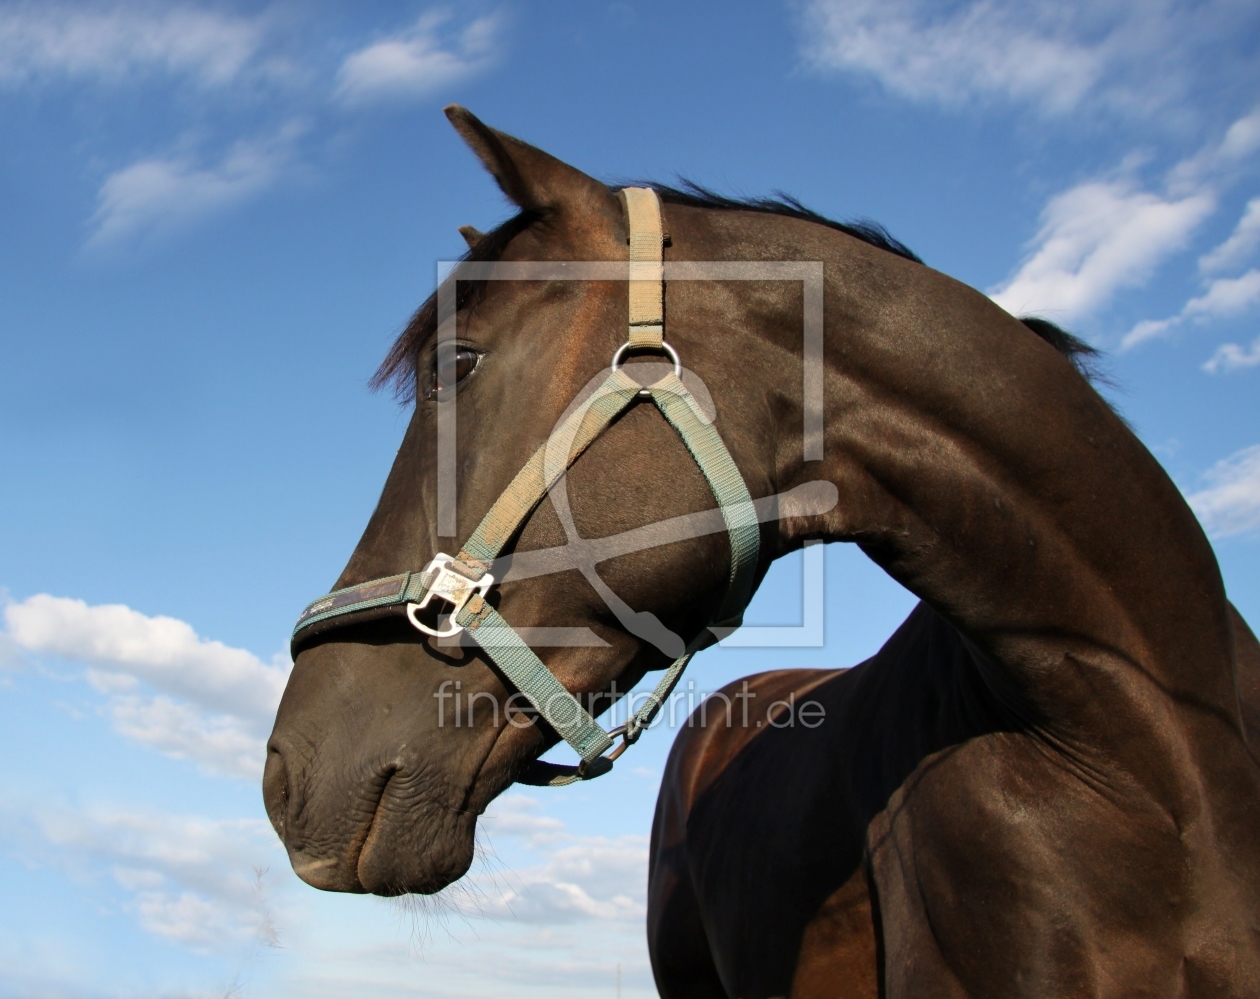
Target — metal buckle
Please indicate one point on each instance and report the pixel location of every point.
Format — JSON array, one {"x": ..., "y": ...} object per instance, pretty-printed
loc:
[{"x": 453, "y": 587}]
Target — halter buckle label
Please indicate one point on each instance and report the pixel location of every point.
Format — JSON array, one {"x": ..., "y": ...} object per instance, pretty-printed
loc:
[{"x": 451, "y": 586}]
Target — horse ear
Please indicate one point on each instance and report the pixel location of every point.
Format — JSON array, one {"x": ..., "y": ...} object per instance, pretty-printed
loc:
[
  {"x": 531, "y": 178},
  {"x": 472, "y": 235}
]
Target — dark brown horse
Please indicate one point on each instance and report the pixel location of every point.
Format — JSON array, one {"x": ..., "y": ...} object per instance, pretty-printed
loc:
[
  {"x": 932, "y": 838},
  {"x": 1041, "y": 787}
]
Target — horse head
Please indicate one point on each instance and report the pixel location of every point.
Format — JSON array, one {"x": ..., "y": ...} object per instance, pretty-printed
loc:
[{"x": 389, "y": 742}]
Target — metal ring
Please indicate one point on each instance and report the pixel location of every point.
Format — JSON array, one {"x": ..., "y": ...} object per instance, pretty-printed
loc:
[{"x": 673, "y": 356}]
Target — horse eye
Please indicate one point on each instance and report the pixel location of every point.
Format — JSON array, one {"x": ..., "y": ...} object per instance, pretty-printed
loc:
[{"x": 450, "y": 368}]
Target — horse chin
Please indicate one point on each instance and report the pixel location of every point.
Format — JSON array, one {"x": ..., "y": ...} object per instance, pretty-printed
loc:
[
  {"x": 417, "y": 849},
  {"x": 392, "y": 861}
]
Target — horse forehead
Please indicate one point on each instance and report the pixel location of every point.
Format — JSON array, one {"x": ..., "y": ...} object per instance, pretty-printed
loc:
[
  {"x": 568, "y": 236},
  {"x": 563, "y": 314}
]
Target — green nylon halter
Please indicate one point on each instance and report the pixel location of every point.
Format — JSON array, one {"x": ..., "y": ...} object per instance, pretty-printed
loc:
[{"x": 463, "y": 581}]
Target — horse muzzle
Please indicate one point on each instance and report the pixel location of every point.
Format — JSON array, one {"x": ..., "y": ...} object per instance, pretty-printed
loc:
[{"x": 365, "y": 794}]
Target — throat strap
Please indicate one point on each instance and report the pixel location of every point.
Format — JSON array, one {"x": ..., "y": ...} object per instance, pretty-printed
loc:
[{"x": 720, "y": 471}]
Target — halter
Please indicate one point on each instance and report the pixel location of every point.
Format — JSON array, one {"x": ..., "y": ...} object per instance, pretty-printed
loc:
[{"x": 463, "y": 581}]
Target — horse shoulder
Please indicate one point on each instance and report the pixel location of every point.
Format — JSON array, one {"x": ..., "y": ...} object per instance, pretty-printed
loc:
[{"x": 709, "y": 931}]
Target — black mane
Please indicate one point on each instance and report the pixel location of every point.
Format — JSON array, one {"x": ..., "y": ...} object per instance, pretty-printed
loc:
[
  {"x": 695, "y": 196},
  {"x": 1085, "y": 358},
  {"x": 399, "y": 366}
]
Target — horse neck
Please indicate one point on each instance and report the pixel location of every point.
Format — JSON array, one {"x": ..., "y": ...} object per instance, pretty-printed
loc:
[{"x": 981, "y": 471}]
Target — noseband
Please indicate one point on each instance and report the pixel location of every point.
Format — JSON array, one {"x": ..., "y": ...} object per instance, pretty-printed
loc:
[{"x": 462, "y": 582}]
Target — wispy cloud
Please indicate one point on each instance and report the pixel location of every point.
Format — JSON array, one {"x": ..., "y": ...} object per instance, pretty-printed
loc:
[
  {"x": 162, "y": 651},
  {"x": 1199, "y": 176},
  {"x": 1219, "y": 161},
  {"x": 48, "y": 41},
  {"x": 981, "y": 50},
  {"x": 590, "y": 879},
  {"x": 155, "y": 197},
  {"x": 196, "y": 881},
  {"x": 1242, "y": 241},
  {"x": 521, "y": 815},
  {"x": 1111, "y": 233},
  {"x": 224, "y": 55},
  {"x": 1096, "y": 238},
  {"x": 1231, "y": 357},
  {"x": 1224, "y": 297},
  {"x": 1231, "y": 502},
  {"x": 165, "y": 687},
  {"x": 578, "y": 878},
  {"x": 418, "y": 61},
  {"x": 220, "y": 743},
  {"x": 1054, "y": 56},
  {"x": 11, "y": 657}
]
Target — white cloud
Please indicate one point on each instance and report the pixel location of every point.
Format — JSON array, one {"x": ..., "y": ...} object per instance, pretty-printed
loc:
[
  {"x": 1107, "y": 234},
  {"x": 103, "y": 43},
  {"x": 418, "y": 61},
  {"x": 1240, "y": 243},
  {"x": 1230, "y": 357},
  {"x": 161, "y": 651},
  {"x": 558, "y": 924},
  {"x": 580, "y": 877},
  {"x": 1134, "y": 57},
  {"x": 154, "y": 197},
  {"x": 1096, "y": 238},
  {"x": 160, "y": 194},
  {"x": 1224, "y": 297},
  {"x": 42, "y": 41},
  {"x": 197, "y": 881},
  {"x": 590, "y": 879},
  {"x": 224, "y": 699},
  {"x": 11, "y": 657},
  {"x": 1197, "y": 177},
  {"x": 518, "y": 815},
  {"x": 1241, "y": 140},
  {"x": 979, "y": 50},
  {"x": 222, "y": 744},
  {"x": 1231, "y": 502}
]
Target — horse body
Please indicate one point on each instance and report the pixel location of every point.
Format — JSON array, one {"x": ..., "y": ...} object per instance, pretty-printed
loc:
[
  {"x": 1042, "y": 786},
  {"x": 782, "y": 856}
]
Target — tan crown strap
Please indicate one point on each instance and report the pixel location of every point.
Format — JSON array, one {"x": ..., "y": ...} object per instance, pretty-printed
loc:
[{"x": 647, "y": 290}]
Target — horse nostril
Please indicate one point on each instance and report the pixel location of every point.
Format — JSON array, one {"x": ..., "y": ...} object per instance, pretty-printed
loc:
[{"x": 276, "y": 789}]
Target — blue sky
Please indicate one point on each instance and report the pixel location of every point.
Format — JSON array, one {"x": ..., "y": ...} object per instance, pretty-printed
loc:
[{"x": 214, "y": 219}]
